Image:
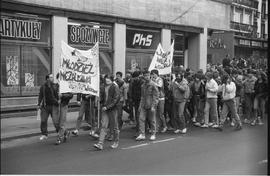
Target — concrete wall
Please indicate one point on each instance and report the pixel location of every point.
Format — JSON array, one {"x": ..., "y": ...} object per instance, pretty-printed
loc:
[{"x": 200, "y": 13}]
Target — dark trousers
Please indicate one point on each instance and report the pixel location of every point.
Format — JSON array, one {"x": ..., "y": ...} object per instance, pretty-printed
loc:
[{"x": 49, "y": 110}]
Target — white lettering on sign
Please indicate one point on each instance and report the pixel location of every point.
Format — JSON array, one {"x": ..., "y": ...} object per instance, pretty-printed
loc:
[
  {"x": 254, "y": 43},
  {"x": 141, "y": 40},
  {"x": 244, "y": 42}
]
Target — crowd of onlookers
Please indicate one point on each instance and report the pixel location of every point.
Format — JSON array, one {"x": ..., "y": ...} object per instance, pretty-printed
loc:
[{"x": 234, "y": 92}]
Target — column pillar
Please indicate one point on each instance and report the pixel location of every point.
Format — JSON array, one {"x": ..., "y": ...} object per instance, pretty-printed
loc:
[
  {"x": 119, "y": 43},
  {"x": 59, "y": 33}
]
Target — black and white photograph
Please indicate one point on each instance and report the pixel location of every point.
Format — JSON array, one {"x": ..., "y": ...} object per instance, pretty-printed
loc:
[{"x": 134, "y": 87}]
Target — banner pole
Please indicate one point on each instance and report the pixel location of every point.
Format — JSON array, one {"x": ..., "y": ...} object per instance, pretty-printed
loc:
[{"x": 98, "y": 111}]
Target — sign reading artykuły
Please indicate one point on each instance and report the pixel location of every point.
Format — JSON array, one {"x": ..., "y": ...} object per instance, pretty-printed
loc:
[
  {"x": 162, "y": 61},
  {"x": 79, "y": 70}
]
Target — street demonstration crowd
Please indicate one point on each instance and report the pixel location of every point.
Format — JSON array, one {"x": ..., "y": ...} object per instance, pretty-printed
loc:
[{"x": 232, "y": 93}]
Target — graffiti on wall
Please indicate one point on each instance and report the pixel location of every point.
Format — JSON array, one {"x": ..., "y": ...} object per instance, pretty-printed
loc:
[
  {"x": 29, "y": 80},
  {"x": 12, "y": 66}
]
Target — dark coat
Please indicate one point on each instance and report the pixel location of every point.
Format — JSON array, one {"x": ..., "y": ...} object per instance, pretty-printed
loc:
[
  {"x": 113, "y": 97},
  {"x": 46, "y": 93},
  {"x": 149, "y": 95}
]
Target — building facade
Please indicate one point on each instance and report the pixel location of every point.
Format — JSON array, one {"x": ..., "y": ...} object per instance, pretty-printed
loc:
[
  {"x": 128, "y": 32},
  {"x": 248, "y": 35}
]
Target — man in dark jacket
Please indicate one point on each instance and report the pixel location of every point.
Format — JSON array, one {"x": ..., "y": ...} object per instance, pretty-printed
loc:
[
  {"x": 63, "y": 99},
  {"x": 48, "y": 104},
  {"x": 148, "y": 105},
  {"x": 109, "y": 99}
]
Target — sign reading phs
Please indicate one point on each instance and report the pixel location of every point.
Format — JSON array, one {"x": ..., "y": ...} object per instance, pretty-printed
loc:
[{"x": 142, "y": 39}]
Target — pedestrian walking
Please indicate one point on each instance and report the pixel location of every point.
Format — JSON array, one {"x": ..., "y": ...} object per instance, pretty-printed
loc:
[
  {"x": 48, "y": 104},
  {"x": 108, "y": 102},
  {"x": 148, "y": 105},
  {"x": 180, "y": 90}
]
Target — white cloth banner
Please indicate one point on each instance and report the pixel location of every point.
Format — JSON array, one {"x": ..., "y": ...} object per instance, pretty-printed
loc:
[
  {"x": 162, "y": 61},
  {"x": 79, "y": 70}
]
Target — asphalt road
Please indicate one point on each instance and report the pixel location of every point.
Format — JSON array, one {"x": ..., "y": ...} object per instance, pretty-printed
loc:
[{"x": 200, "y": 151}]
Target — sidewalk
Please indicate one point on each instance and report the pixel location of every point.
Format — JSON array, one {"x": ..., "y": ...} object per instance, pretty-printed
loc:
[{"x": 20, "y": 127}]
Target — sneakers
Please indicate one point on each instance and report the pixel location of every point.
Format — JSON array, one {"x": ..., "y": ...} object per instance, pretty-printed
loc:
[
  {"x": 98, "y": 146},
  {"x": 184, "y": 131},
  {"x": 204, "y": 126},
  {"x": 153, "y": 137},
  {"x": 238, "y": 127},
  {"x": 66, "y": 135},
  {"x": 210, "y": 124},
  {"x": 232, "y": 124},
  {"x": 193, "y": 119},
  {"x": 43, "y": 137},
  {"x": 253, "y": 123},
  {"x": 91, "y": 132},
  {"x": 115, "y": 145},
  {"x": 198, "y": 124},
  {"x": 246, "y": 121},
  {"x": 260, "y": 121},
  {"x": 177, "y": 131},
  {"x": 215, "y": 126},
  {"x": 75, "y": 132},
  {"x": 140, "y": 137},
  {"x": 58, "y": 141},
  {"x": 109, "y": 138},
  {"x": 164, "y": 130},
  {"x": 95, "y": 135}
]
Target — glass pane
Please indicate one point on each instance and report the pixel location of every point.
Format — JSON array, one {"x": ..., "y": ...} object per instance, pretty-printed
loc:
[
  {"x": 35, "y": 66},
  {"x": 105, "y": 62},
  {"x": 141, "y": 60},
  {"x": 10, "y": 61}
]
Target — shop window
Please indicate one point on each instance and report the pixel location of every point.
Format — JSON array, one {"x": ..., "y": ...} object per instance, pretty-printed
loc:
[
  {"x": 23, "y": 69},
  {"x": 138, "y": 60}
]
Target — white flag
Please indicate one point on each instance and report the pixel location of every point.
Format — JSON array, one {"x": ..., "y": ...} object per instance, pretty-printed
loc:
[
  {"x": 162, "y": 61},
  {"x": 79, "y": 70}
]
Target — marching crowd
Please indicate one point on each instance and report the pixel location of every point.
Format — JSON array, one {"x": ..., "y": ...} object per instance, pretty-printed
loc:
[{"x": 233, "y": 92}]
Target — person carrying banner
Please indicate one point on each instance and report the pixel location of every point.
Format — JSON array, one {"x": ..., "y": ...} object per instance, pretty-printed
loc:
[
  {"x": 148, "y": 105},
  {"x": 109, "y": 99},
  {"x": 63, "y": 100},
  {"x": 160, "y": 107},
  {"x": 48, "y": 104}
]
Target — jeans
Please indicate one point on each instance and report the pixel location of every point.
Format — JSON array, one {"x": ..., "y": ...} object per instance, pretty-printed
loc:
[
  {"x": 150, "y": 115},
  {"x": 259, "y": 106},
  {"x": 160, "y": 114},
  {"x": 120, "y": 114},
  {"x": 249, "y": 105},
  {"x": 211, "y": 105},
  {"x": 85, "y": 108},
  {"x": 229, "y": 106},
  {"x": 45, "y": 112},
  {"x": 198, "y": 104},
  {"x": 136, "y": 105},
  {"x": 62, "y": 120},
  {"x": 107, "y": 117},
  {"x": 179, "y": 118}
]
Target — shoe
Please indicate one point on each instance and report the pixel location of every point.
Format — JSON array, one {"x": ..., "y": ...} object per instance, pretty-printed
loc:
[
  {"x": 204, "y": 126},
  {"x": 58, "y": 141},
  {"x": 43, "y": 137},
  {"x": 210, "y": 124},
  {"x": 198, "y": 124},
  {"x": 232, "y": 124},
  {"x": 109, "y": 138},
  {"x": 170, "y": 129},
  {"x": 66, "y": 135},
  {"x": 95, "y": 135},
  {"x": 164, "y": 130},
  {"x": 177, "y": 131},
  {"x": 75, "y": 132},
  {"x": 91, "y": 132},
  {"x": 115, "y": 145},
  {"x": 153, "y": 137},
  {"x": 184, "y": 131},
  {"x": 238, "y": 127},
  {"x": 140, "y": 137},
  {"x": 215, "y": 126},
  {"x": 253, "y": 123},
  {"x": 246, "y": 121},
  {"x": 260, "y": 121},
  {"x": 98, "y": 146},
  {"x": 193, "y": 119}
]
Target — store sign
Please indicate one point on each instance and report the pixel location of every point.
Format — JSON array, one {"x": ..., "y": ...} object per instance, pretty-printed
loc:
[
  {"x": 142, "y": 39},
  {"x": 89, "y": 35},
  {"x": 256, "y": 44},
  {"x": 21, "y": 28},
  {"x": 244, "y": 42},
  {"x": 216, "y": 43}
]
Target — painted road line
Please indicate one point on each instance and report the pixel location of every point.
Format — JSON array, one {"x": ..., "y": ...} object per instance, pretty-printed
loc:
[
  {"x": 136, "y": 146},
  {"x": 165, "y": 140}
]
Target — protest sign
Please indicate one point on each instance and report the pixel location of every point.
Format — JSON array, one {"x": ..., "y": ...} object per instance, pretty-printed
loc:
[
  {"x": 79, "y": 70},
  {"x": 162, "y": 61}
]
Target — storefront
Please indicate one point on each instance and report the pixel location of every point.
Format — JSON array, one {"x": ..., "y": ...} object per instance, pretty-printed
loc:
[
  {"x": 179, "y": 48},
  {"x": 84, "y": 34},
  {"x": 25, "y": 53},
  {"x": 141, "y": 44}
]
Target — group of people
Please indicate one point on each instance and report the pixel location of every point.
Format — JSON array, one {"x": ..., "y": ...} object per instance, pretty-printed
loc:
[{"x": 160, "y": 103}]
